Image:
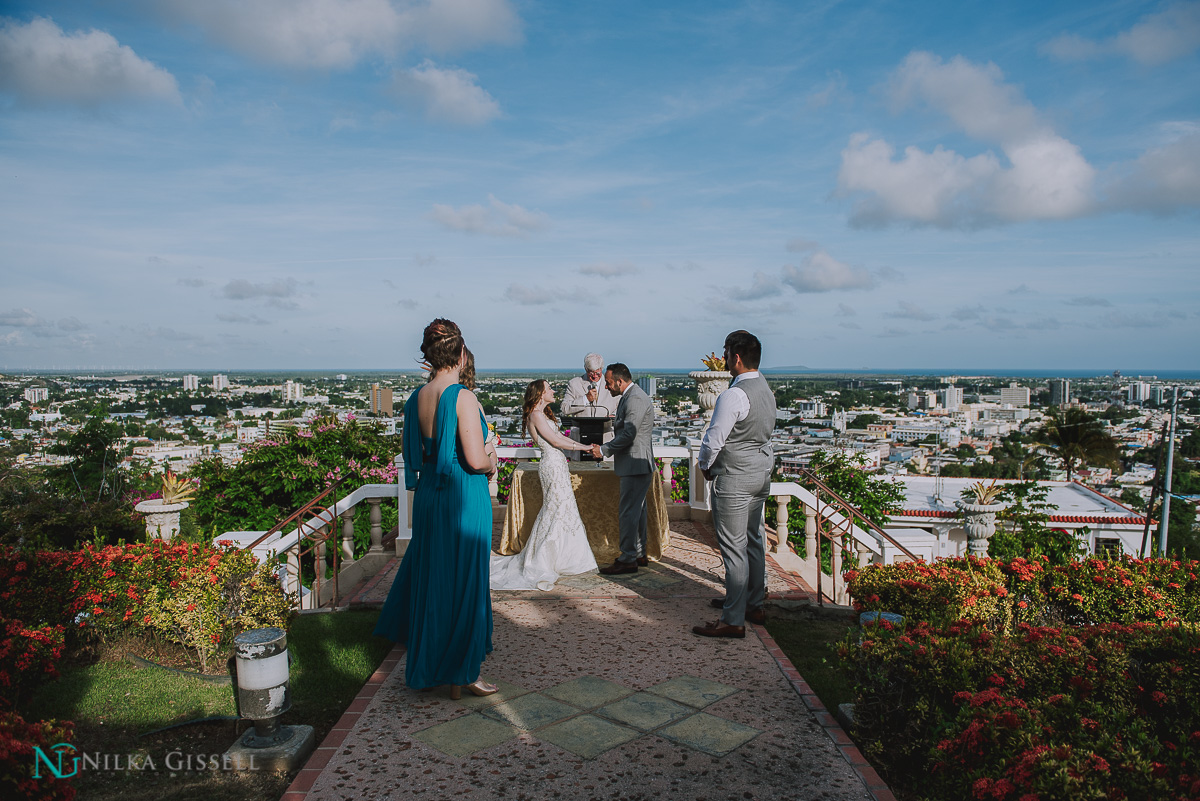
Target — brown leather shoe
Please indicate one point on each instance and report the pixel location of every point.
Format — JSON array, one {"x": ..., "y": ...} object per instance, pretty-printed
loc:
[
  {"x": 642, "y": 561},
  {"x": 757, "y": 616},
  {"x": 618, "y": 567},
  {"x": 719, "y": 629}
]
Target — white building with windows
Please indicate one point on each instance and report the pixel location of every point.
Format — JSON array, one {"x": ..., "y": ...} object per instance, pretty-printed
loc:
[
  {"x": 292, "y": 391},
  {"x": 1014, "y": 395},
  {"x": 220, "y": 382},
  {"x": 37, "y": 394},
  {"x": 191, "y": 383}
]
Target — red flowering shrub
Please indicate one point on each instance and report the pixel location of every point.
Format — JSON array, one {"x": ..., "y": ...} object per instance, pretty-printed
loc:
[
  {"x": 27, "y": 655},
  {"x": 949, "y": 589},
  {"x": 17, "y": 741}
]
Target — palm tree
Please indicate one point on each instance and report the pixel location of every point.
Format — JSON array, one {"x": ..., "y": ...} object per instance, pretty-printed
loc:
[{"x": 1074, "y": 437}]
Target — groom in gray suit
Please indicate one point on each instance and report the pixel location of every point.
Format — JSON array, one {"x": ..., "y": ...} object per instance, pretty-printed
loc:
[{"x": 633, "y": 461}]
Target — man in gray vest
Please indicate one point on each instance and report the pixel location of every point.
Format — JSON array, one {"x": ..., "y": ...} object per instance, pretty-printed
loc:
[{"x": 737, "y": 457}]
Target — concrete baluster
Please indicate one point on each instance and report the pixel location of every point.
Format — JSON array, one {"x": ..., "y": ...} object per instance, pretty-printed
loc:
[
  {"x": 810, "y": 533},
  {"x": 376, "y": 525},
  {"x": 292, "y": 583},
  {"x": 348, "y": 537},
  {"x": 781, "y": 522},
  {"x": 319, "y": 564},
  {"x": 666, "y": 480}
]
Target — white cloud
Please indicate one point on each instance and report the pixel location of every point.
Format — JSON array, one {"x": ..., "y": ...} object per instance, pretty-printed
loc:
[
  {"x": 763, "y": 286},
  {"x": 530, "y": 296},
  {"x": 911, "y": 311},
  {"x": 1155, "y": 39},
  {"x": 71, "y": 324},
  {"x": 495, "y": 219},
  {"x": 1161, "y": 180},
  {"x": 445, "y": 95},
  {"x": 241, "y": 289},
  {"x": 20, "y": 318},
  {"x": 608, "y": 270},
  {"x": 1046, "y": 176},
  {"x": 846, "y": 311},
  {"x": 820, "y": 272},
  {"x": 40, "y": 63},
  {"x": 340, "y": 33}
]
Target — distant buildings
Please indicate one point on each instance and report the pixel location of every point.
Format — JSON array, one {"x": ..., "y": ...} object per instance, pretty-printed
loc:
[
  {"x": 381, "y": 401},
  {"x": 1139, "y": 392},
  {"x": 951, "y": 398},
  {"x": 220, "y": 382},
  {"x": 191, "y": 383},
  {"x": 1014, "y": 395},
  {"x": 293, "y": 391},
  {"x": 1060, "y": 392},
  {"x": 924, "y": 399},
  {"x": 648, "y": 384},
  {"x": 37, "y": 394}
]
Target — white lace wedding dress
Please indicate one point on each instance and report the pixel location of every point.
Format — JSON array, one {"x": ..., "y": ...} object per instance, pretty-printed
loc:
[{"x": 558, "y": 544}]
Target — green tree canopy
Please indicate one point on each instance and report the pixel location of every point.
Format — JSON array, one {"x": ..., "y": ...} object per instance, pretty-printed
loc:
[{"x": 1075, "y": 438}]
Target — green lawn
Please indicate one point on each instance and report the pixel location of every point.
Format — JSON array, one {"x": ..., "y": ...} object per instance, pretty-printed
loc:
[
  {"x": 812, "y": 647},
  {"x": 113, "y": 702}
]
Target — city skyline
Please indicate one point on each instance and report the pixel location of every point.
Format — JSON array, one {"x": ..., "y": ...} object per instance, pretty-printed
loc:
[{"x": 1009, "y": 186}]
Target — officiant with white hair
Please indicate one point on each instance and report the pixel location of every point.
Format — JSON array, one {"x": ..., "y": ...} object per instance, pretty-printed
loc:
[{"x": 586, "y": 395}]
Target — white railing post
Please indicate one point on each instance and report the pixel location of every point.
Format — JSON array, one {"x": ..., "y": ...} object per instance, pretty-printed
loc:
[
  {"x": 376, "y": 525},
  {"x": 781, "y": 521},
  {"x": 666, "y": 480},
  {"x": 348, "y": 536},
  {"x": 697, "y": 486},
  {"x": 403, "y": 508}
]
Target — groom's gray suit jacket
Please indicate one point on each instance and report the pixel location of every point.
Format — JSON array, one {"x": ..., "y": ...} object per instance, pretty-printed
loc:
[{"x": 633, "y": 429}]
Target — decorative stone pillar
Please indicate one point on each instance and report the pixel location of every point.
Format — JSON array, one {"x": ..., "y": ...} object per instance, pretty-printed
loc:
[
  {"x": 162, "y": 519},
  {"x": 810, "y": 534},
  {"x": 709, "y": 384},
  {"x": 376, "y": 525},
  {"x": 348, "y": 536},
  {"x": 666, "y": 480},
  {"x": 979, "y": 519}
]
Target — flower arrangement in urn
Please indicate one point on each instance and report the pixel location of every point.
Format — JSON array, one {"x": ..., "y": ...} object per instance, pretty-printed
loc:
[
  {"x": 162, "y": 514},
  {"x": 978, "y": 509},
  {"x": 710, "y": 382}
]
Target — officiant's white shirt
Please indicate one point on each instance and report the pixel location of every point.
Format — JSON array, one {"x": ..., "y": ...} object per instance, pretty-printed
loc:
[{"x": 575, "y": 402}]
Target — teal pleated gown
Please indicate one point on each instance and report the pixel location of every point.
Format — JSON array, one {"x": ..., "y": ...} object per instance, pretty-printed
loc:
[{"x": 440, "y": 604}]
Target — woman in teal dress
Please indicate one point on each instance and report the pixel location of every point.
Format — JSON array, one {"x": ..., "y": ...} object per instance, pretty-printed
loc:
[{"x": 440, "y": 604}]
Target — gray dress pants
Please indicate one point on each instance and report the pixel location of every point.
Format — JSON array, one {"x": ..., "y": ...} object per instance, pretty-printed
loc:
[
  {"x": 737, "y": 510},
  {"x": 632, "y": 514}
]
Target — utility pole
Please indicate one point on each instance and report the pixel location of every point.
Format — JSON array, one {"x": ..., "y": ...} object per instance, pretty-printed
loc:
[{"x": 1164, "y": 523}]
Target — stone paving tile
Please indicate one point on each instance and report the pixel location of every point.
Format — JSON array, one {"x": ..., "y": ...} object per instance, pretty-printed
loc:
[
  {"x": 587, "y": 735},
  {"x": 709, "y": 734},
  {"x": 588, "y": 692},
  {"x": 693, "y": 691},
  {"x": 532, "y": 711},
  {"x": 507, "y": 692},
  {"x": 464, "y": 736},
  {"x": 645, "y": 711}
]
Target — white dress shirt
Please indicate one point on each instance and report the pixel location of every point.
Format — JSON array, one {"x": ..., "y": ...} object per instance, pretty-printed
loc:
[
  {"x": 575, "y": 402},
  {"x": 732, "y": 406}
]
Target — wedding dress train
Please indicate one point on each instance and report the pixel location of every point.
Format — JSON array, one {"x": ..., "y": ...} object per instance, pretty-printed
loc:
[{"x": 558, "y": 544}]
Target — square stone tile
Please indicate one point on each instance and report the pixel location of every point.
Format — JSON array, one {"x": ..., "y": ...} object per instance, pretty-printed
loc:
[
  {"x": 465, "y": 735},
  {"x": 645, "y": 711},
  {"x": 531, "y": 711},
  {"x": 693, "y": 691},
  {"x": 583, "y": 581},
  {"x": 507, "y": 692},
  {"x": 588, "y": 692},
  {"x": 653, "y": 580},
  {"x": 587, "y": 735},
  {"x": 710, "y": 734}
]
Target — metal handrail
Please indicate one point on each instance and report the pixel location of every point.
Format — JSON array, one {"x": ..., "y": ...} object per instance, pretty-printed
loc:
[
  {"x": 296, "y": 514},
  {"x": 856, "y": 514}
]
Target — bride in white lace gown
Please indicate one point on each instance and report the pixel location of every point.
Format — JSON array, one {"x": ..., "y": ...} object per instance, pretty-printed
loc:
[{"x": 558, "y": 544}]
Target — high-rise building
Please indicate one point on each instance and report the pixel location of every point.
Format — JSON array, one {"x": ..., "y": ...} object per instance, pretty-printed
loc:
[
  {"x": 1139, "y": 392},
  {"x": 951, "y": 398},
  {"x": 220, "y": 382},
  {"x": 37, "y": 394},
  {"x": 191, "y": 383},
  {"x": 1060, "y": 391},
  {"x": 1014, "y": 395},
  {"x": 1158, "y": 394},
  {"x": 648, "y": 384},
  {"x": 381, "y": 401},
  {"x": 292, "y": 391}
]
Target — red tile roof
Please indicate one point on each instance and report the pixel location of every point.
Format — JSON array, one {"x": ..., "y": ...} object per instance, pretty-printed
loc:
[{"x": 1095, "y": 519}]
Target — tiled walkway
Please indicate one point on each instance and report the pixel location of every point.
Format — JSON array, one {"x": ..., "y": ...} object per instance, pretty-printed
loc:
[{"x": 605, "y": 693}]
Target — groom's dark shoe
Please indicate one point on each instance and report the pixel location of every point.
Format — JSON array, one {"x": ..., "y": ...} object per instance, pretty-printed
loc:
[
  {"x": 618, "y": 567},
  {"x": 720, "y": 629},
  {"x": 643, "y": 561},
  {"x": 757, "y": 615}
]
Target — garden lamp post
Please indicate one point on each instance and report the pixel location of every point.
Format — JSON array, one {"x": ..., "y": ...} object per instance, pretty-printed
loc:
[{"x": 263, "y": 695}]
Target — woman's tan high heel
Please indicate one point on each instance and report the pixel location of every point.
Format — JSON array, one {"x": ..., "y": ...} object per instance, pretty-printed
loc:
[{"x": 478, "y": 687}]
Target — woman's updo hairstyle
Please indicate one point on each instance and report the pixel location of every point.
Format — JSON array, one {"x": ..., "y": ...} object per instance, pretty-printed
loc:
[{"x": 443, "y": 344}]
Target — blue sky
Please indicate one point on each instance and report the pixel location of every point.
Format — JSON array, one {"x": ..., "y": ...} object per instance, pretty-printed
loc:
[{"x": 305, "y": 184}]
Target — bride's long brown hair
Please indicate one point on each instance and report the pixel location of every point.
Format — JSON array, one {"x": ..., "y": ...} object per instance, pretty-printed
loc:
[{"x": 533, "y": 394}]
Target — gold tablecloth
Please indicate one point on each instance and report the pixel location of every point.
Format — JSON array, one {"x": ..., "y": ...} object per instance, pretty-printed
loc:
[{"x": 597, "y": 493}]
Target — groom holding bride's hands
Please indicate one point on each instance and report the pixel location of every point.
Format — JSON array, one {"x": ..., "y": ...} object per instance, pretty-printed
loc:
[{"x": 633, "y": 462}]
